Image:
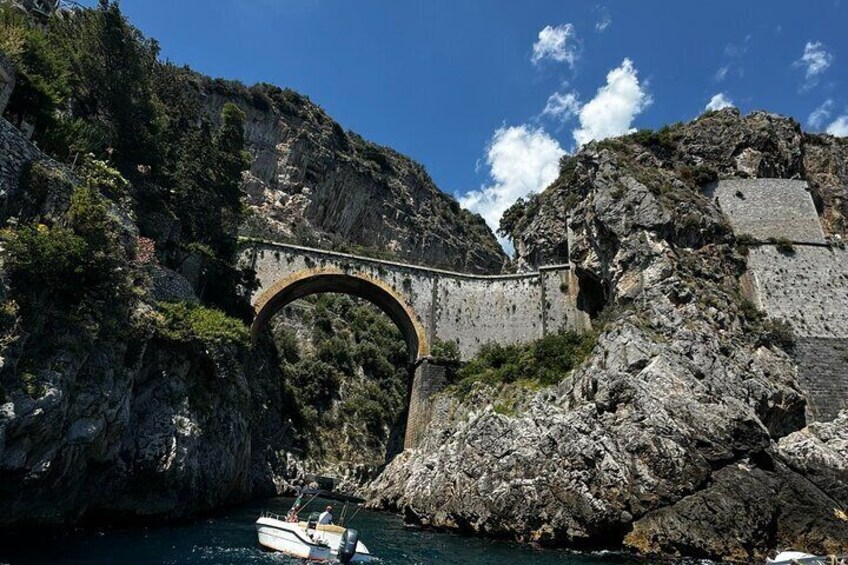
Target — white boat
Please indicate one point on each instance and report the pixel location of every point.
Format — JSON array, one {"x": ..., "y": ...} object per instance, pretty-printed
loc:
[
  {"x": 310, "y": 540},
  {"x": 801, "y": 558}
]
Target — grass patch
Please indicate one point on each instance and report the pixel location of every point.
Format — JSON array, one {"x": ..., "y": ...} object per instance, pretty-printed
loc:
[{"x": 184, "y": 322}]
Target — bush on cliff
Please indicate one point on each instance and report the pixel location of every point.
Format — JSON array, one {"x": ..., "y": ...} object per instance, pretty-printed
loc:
[
  {"x": 183, "y": 322},
  {"x": 38, "y": 256},
  {"x": 78, "y": 264},
  {"x": 543, "y": 362}
]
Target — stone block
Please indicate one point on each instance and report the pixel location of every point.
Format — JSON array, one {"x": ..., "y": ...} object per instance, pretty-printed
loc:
[
  {"x": 769, "y": 208},
  {"x": 823, "y": 376},
  {"x": 808, "y": 288},
  {"x": 429, "y": 379}
]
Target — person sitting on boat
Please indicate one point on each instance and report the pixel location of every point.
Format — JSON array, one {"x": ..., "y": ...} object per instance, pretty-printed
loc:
[
  {"x": 292, "y": 514},
  {"x": 326, "y": 516}
]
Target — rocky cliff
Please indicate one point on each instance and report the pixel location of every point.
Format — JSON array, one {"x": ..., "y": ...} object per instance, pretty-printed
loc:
[
  {"x": 312, "y": 182},
  {"x": 109, "y": 406},
  {"x": 128, "y": 388},
  {"x": 684, "y": 432},
  {"x": 148, "y": 423}
]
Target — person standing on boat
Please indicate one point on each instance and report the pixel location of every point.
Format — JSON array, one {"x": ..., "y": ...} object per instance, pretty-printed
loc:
[{"x": 326, "y": 516}]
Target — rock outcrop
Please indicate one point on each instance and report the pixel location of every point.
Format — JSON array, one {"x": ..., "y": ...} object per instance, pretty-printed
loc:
[
  {"x": 313, "y": 183},
  {"x": 684, "y": 433},
  {"x": 102, "y": 416}
]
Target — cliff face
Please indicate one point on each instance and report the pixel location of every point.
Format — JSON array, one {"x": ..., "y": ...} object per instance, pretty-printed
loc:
[
  {"x": 315, "y": 184},
  {"x": 103, "y": 415},
  {"x": 684, "y": 432}
]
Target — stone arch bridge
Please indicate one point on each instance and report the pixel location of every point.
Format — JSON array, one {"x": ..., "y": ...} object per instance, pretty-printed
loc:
[{"x": 426, "y": 304}]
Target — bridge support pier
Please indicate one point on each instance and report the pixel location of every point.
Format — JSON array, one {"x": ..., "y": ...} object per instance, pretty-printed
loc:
[{"x": 426, "y": 382}]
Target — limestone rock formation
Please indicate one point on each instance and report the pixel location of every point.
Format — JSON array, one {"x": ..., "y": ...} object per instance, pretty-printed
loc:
[
  {"x": 103, "y": 417},
  {"x": 315, "y": 184},
  {"x": 684, "y": 433}
]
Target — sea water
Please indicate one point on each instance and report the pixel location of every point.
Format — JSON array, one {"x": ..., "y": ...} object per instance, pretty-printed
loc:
[{"x": 230, "y": 537}]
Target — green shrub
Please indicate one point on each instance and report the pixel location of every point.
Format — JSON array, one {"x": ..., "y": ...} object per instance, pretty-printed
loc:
[
  {"x": 50, "y": 258},
  {"x": 750, "y": 311},
  {"x": 777, "y": 333},
  {"x": 184, "y": 322},
  {"x": 314, "y": 383},
  {"x": 544, "y": 362},
  {"x": 445, "y": 351},
  {"x": 699, "y": 175},
  {"x": 783, "y": 245},
  {"x": 665, "y": 138},
  {"x": 104, "y": 179},
  {"x": 744, "y": 242}
]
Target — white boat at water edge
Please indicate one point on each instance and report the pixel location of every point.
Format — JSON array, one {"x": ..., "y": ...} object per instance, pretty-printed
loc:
[
  {"x": 801, "y": 558},
  {"x": 309, "y": 539}
]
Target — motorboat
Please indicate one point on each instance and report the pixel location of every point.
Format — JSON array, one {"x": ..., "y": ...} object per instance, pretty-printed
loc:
[
  {"x": 309, "y": 539},
  {"x": 801, "y": 558}
]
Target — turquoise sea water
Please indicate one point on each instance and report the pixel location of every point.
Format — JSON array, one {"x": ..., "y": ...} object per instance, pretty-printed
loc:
[{"x": 230, "y": 537}]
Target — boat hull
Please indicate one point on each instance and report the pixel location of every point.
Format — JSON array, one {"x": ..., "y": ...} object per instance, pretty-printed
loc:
[{"x": 297, "y": 541}]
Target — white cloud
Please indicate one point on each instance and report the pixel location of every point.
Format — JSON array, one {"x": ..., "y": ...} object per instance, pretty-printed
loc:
[
  {"x": 734, "y": 55},
  {"x": 615, "y": 105},
  {"x": 820, "y": 115},
  {"x": 604, "y": 19},
  {"x": 557, "y": 43},
  {"x": 521, "y": 159},
  {"x": 839, "y": 127},
  {"x": 719, "y": 101},
  {"x": 562, "y": 106},
  {"x": 815, "y": 60}
]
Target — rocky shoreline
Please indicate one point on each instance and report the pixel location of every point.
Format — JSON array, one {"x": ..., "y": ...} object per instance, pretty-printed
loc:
[{"x": 685, "y": 432}]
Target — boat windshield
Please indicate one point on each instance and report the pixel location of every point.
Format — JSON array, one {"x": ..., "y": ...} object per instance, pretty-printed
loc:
[{"x": 299, "y": 507}]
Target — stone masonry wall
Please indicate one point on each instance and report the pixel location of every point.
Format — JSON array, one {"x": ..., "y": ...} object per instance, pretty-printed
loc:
[
  {"x": 468, "y": 309},
  {"x": 770, "y": 209},
  {"x": 807, "y": 286},
  {"x": 428, "y": 380},
  {"x": 823, "y": 375}
]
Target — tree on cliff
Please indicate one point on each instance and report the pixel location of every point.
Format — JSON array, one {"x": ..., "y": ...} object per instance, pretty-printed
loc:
[
  {"x": 207, "y": 192},
  {"x": 110, "y": 66}
]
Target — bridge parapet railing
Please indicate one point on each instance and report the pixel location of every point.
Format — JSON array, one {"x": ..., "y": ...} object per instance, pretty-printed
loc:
[{"x": 300, "y": 249}]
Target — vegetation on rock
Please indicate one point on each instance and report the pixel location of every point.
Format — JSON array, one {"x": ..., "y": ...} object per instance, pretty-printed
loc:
[
  {"x": 183, "y": 322},
  {"x": 544, "y": 362},
  {"x": 344, "y": 365}
]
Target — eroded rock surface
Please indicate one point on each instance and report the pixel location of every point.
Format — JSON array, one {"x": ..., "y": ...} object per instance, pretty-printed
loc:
[
  {"x": 312, "y": 183},
  {"x": 684, "y": 433}
]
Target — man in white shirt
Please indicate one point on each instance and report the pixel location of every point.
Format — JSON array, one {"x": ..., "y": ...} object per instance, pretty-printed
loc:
[{"x": 326, "y": 516}]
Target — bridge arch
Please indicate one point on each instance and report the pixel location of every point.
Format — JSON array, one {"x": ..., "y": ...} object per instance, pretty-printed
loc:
[{"x": 320, "y": 280}]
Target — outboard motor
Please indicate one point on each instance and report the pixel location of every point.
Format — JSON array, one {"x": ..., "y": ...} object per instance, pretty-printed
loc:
[
  {"x": 312, "y": 522},
  {"x": 347, "y": 546}
]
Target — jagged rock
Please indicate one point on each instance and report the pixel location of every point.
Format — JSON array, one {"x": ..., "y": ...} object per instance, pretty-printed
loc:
[
  {"x": 819, "y": 452},
  {"x": 740, "y": 515},
  {"x": 668, "y": 439},
  {"x": 313, "y": 183}
]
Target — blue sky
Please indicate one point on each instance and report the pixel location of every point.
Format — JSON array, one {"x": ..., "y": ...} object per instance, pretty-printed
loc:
[{"x": 462, "y": 86}]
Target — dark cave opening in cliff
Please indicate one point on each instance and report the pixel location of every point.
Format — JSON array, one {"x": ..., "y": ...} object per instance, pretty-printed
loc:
[
  {"x": 591, "y": 294},
  {"x": 345, "y": 371}
]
